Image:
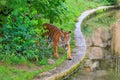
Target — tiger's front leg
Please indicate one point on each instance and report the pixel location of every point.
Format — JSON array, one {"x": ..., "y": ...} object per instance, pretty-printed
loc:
[
  {"x": 69, "y": 57},
  {"x": 55, "y": 54}
]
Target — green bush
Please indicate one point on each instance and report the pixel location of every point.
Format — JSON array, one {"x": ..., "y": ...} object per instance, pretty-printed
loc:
[
  {"x": 50, "y": 9},
  {"x": 20, "y": 32}
]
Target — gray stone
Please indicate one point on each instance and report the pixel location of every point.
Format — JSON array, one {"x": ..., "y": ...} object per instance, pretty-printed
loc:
[
  {"x": 107, "y": 54},
  {"x": 96, "y": 38},
  {"x": 105, "y": 44},
  {"x": 94, "y": 66},
  {"x": 50, "y": 61},
  {"x": 88, "y": 63},
  {"x": 109, "y": 43},
  {"x": 89, "y": 42},
  {"x": 105, "y": 35},
  {"x": 96, "y": 53}
]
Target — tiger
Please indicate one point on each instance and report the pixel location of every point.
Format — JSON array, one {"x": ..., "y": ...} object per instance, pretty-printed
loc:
[{"x": 58, "y": 37}]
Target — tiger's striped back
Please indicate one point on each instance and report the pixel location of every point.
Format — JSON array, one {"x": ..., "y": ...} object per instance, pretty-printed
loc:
[{"x": 52, "y": 31}]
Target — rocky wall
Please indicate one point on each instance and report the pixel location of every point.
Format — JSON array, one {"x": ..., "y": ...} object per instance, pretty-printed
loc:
[
  {"x": 99, "y": 50},
  {"x": 102, "y": 47}
]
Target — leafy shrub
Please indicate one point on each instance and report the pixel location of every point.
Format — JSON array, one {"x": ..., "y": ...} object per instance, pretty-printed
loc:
[
  {"x": 20, "y": 27},
  {"x": 20, "y": 34}
]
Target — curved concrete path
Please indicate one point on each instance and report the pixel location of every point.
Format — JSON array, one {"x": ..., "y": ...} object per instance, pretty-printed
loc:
[{"x": 78, "y": 52}]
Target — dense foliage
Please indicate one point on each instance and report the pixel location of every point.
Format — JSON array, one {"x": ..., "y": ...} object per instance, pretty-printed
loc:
[
  {"x": 20, "y": 26},
  {"x": 50, "y": 9}
]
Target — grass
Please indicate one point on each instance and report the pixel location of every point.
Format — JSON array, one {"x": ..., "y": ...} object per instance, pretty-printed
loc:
[
  {"x": 114, "y": 74},
  {"x": 7, "y": 72}
]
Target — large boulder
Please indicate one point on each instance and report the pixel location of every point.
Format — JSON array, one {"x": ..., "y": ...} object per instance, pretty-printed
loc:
[{"x": 100, "y": 38}]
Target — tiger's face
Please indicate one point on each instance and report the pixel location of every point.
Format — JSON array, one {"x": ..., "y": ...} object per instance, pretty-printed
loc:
[{"x": 64, "y": 38}]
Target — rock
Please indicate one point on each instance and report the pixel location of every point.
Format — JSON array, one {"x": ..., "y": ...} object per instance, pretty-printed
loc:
[
  {"x": 100, "y": 37},
  {"x": 96, "y": 53},
  {"x": 105, "y": 44},
  {"x": 105, "y": 35},
  {"x": 109, "y": 43},
  {"x": 107, "y": 54},
  {"x": 89, "y": 42},
  {"x": 50, "y": 61},
  {"x": 91, "y": 66},
  {"x": 94, "y": 66},
  {"x": 96, "y": 38},
  {"x": 88, "y": 63}
]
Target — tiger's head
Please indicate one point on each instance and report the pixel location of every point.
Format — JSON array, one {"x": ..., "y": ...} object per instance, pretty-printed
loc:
[{"x": 64, "y": 38}]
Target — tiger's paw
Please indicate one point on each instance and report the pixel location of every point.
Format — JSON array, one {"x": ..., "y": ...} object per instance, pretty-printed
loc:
[
  {"x": 56, "y": 55},
  {"x": 70, "y": 58}
]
